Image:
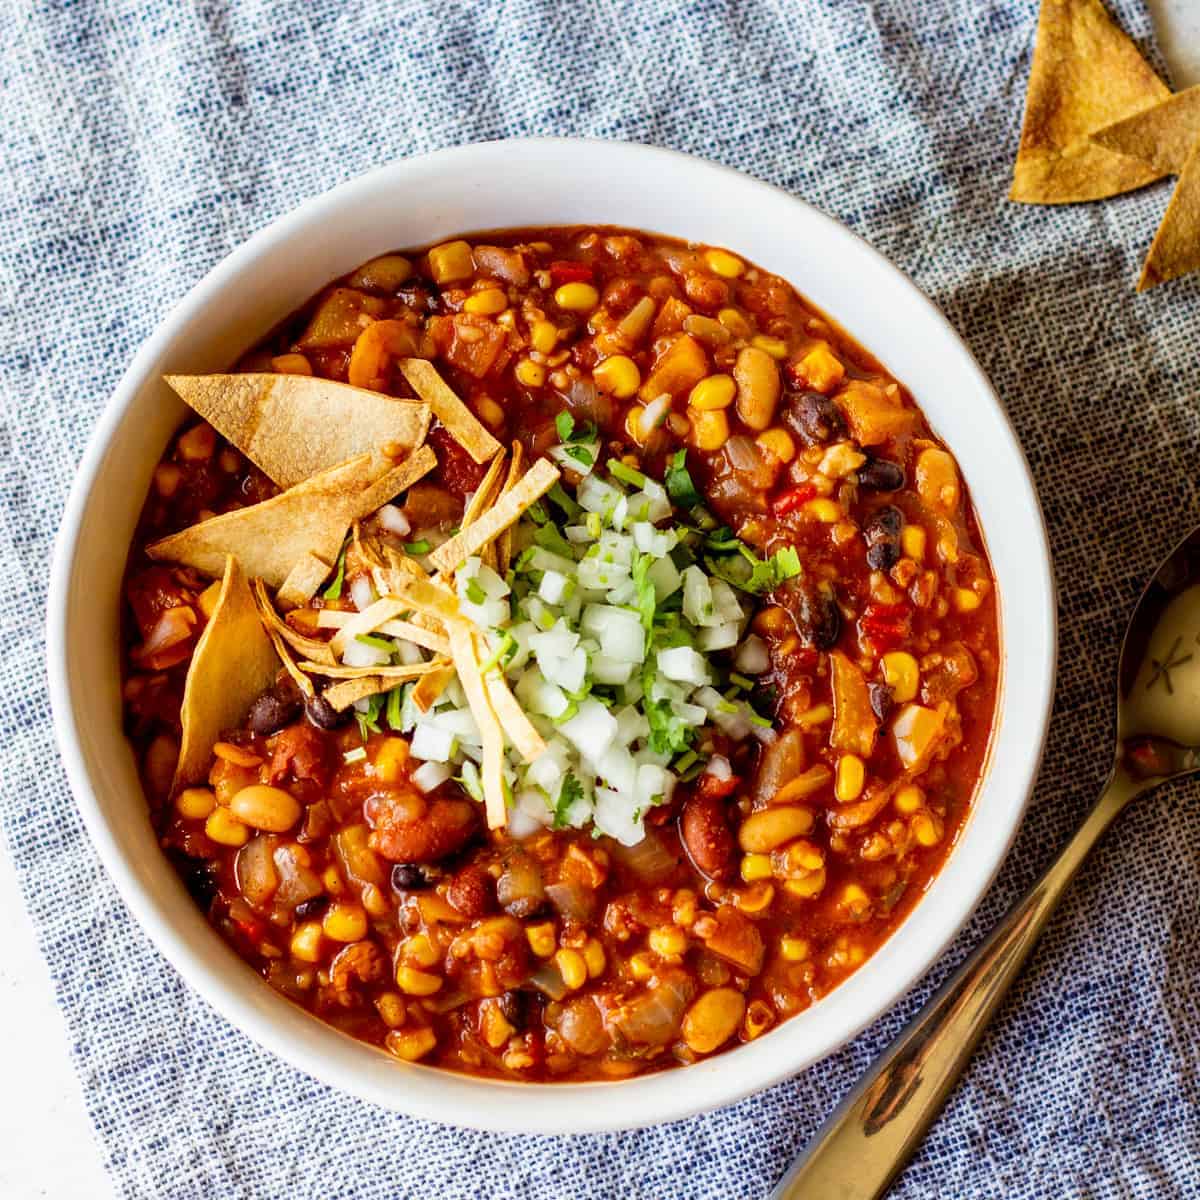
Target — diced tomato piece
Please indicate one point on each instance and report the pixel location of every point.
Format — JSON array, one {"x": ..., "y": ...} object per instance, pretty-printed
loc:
[
  {"x": 151, "y": 592},
  {"x": 471, "y": 343},
  {"x": 789, "y": 501},
  {"x": 571, "y": 272},
  {"x": 300, "y": 751},
  {"x": 457, "y": 470},
  {"x": 885, "y": 626}
]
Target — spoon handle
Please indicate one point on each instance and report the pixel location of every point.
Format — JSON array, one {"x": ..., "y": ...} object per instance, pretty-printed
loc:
[{"x": 872, "y": 1134}]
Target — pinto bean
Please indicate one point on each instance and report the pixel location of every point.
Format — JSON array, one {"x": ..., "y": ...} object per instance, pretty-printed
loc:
[
  {"x": 706, "y": 836},
  {"x": 472, "y": 892},
  {"x": 403, "y": 835}
]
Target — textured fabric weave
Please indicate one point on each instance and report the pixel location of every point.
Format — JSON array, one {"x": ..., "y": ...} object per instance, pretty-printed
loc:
[{"x": 143, "y": 140}]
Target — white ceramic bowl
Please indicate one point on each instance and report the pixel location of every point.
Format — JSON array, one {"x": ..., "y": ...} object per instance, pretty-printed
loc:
[{"x": 490, "y": 186}]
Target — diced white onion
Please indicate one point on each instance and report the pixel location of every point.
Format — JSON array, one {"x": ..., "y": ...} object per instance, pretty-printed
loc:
[
  {"x": 362, "y": 594},
  {"x": 360, "y": 654},
  {"x": 752, "y": 657},
  {"x": 718, "y": 767},
  {"x": 430, "y": 775},
  {"x": 683, "y": 664},
  {"x": 394, "y": 520},
  {"x": 431, "y": 744}
]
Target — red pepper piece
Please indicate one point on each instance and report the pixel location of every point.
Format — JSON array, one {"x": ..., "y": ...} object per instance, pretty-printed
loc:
[
  {"x": 885, "y": 626},
  {"x": 789, "y": 501},
  {"x": 570, "y": 272}
]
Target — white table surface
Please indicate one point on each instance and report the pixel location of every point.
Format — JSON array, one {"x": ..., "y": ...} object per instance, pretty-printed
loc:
[{"x": 47, "y": 1148}]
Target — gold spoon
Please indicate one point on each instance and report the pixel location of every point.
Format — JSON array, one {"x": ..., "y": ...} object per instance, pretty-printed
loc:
[{"x": 872, "y": 1134}]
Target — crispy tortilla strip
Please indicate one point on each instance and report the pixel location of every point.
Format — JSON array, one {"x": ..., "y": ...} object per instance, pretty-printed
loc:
[
  {"x": 270, "y": 538},
  {"x": 1176, "y": 247},
  {"x": 462, "y": 647},
  {"x": 1086, "y": 74},
  {"x": 350, "y": 691},
  {"x": 301, "y": 680},
  {"x": 429, "y": 688},
  {"x": 462, "y": 424},
  {"x": 511, "y": 715},
  {"x": 535, "y": 483},
  {"x": 366, "y": 621},
  {"x": 1162, "y": 136},
  {"x": 233, "y": 664},
  {"x": 485, "y": 493},
  {"x": 431, "y": 599},
  {"x": 503, "y": 543},
  {"x": 302, "y": 581},
  {"x": 295, "y": 426},
  {"x": 417, "y": 634},
  {"x": 310, "y": 647},
  {"x": 397, "y": 672}
]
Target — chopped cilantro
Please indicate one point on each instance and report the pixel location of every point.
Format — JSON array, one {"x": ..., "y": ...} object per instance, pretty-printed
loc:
[
  {"x": 334, "y": 590},
  {"x": 565, "y": 424},
  {"x": 368, "y": 721},
  {"x": 582, "y": 455},
  {"x": 395, "y": 702},
  {"x": 559, "y": 497},
  {"x": 646, "y": 602},
  {"x": 376, "y": 643},
  {"x": 679, "y": 483},
  {"x": 734, "y": 561},
  {"x": 569, "y": 792},
  {"x": 504, "y": 650}
]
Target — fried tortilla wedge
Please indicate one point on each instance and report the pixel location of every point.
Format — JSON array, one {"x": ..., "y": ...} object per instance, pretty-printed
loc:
[
  {"x": 462, "y": 423},
  {"x": 233, "y": 664},
  {"x": 295, "y": 426},
  {"x": 1176, "y": 247},
  {"x": 1086, "y": 74},
  {"x": 350, "y": 691},
  {"x": 307, "y": 521},
  {"x": 1162, "y": 136}
]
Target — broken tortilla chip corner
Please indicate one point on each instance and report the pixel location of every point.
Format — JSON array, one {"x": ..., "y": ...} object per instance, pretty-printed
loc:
[
  {"x": 1175, "y": 250},
  {"x": 1086, "y": 74}
]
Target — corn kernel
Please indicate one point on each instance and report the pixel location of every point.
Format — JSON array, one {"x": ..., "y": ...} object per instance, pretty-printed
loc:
[
  {"x": 345, "y": 922},
  {"x": 306, "y": 942},
  {"x": 927, "y": 829},
  {"x": 390, "y": 759},
  {"x": 374, "y": 901},
  {"x": 965, "y": 600},
  {"x": 803, "y": 856},
  {"x": 420, "y": 950},
  {"x": 912, "y": 542},
  {"x": 572, "y": 964},
  {"x": 734, "y": 322},
  {"x": 901, "y": 674},
  {"x": 618, "y": 376},
  {"x": 167, "y": 478},
  {"x": 543, "y": 335},
  {"x": 855, "y": 901},
  {"x": 593, "y": 956},
  {"x": 391, "y": 1010},
  {"x": 207, "y": 600},
  {"x": 541, "y": 938},
  {"x": 755, "y": 898},
  {"x": 755, "y": 866},
  {"x": 577, "y": 297},
  {"x": 411, "y": 1044},
  {"x": 497, "y": 1029},
  {"x": 713, "y": 392},
  {"x": 225, "y": 829},
  {"x": 414, "y": 982},
  {"x": 807, "y": 887},
  {"x": 195, "y": 803},
  {"x": 710, "y": 430},
  {"x": 450, "y": 262},
  {"x": 775, "y": 347},
  {"x": 909, "y": 799},
  {"x": 529, "y": 373},
  {"x": 641, "y": 966},
  {"x": 291, "y": 364},
  {"x": 817, "y": 715},
  {"x": 668, "y": 942},
  {"x": 332, "y": 881},
  {"x": 199, "y": 443},
  {"x": 848, "y": 784},
  {"x": 794, "y": 949},
  {"x": 487, "y": 303},
  {"x": 721, "y": 262},
  {"x": 824, "y": 510},
  {"x": 779, "y": 443}
]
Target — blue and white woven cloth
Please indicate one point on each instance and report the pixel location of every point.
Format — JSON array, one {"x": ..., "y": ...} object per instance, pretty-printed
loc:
[{"x": 143, "y": 139}]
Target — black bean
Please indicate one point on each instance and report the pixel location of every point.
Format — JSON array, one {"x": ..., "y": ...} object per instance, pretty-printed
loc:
[
  {"x": 881, "y": 699},
  {"x": 814, "y": 417},
  {"x": 881, "y": 475},
  {"x": 410, "y": 877},
  {"x": 310, "y": 908},
  {"x": 883, "y": 555},
  {"x": 816, "y": 613},
  {"x": 199, "y": 877},
  {"x": 272, "y": 711},
  {"x": 323, "y": 715},
  {"x": 882, "y": 535},
  {"x": 514, "y": 1007}
]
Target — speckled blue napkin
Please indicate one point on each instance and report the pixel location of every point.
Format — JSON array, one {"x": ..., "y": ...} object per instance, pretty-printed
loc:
[{"x": 141, "y": 141}]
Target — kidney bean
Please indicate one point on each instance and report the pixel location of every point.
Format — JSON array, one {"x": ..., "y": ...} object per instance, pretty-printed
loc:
[
  {"x": 814, "y": 417},
  {"x": 881, "y": 475},
  {"x": 706, "y": 836}
]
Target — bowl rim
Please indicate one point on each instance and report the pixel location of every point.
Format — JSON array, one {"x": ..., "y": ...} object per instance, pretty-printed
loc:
[{"x": 462, "y": 1100}]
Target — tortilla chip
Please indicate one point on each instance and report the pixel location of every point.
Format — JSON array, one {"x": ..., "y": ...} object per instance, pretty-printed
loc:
[
  {"x": 301, "y": 680},
  {"x": 1176, "y": 247},
  {"x": 431, "y": 599},
  {"x": 295, "y": 426},
  {"x": 233, "y": 664},
  {"x": 466, "y": 664},
  {"x": 309, "y": 647},
  {"x": 1162, "y": 136},
  {"x": 1086, "y": 74},
  {"x": 350, "y": 691},
  {"x": 516, "y": 467},
  {"x": 429, "y": 688},
  {"x": 310, "y": 519},
  {"x": 461, "y": 422},
  {"x": 535, "y": 483},
  {"x": 397, "y": 672},
  {"x": 302, "y": 581},
  {"x": 390, "y": 627}
]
